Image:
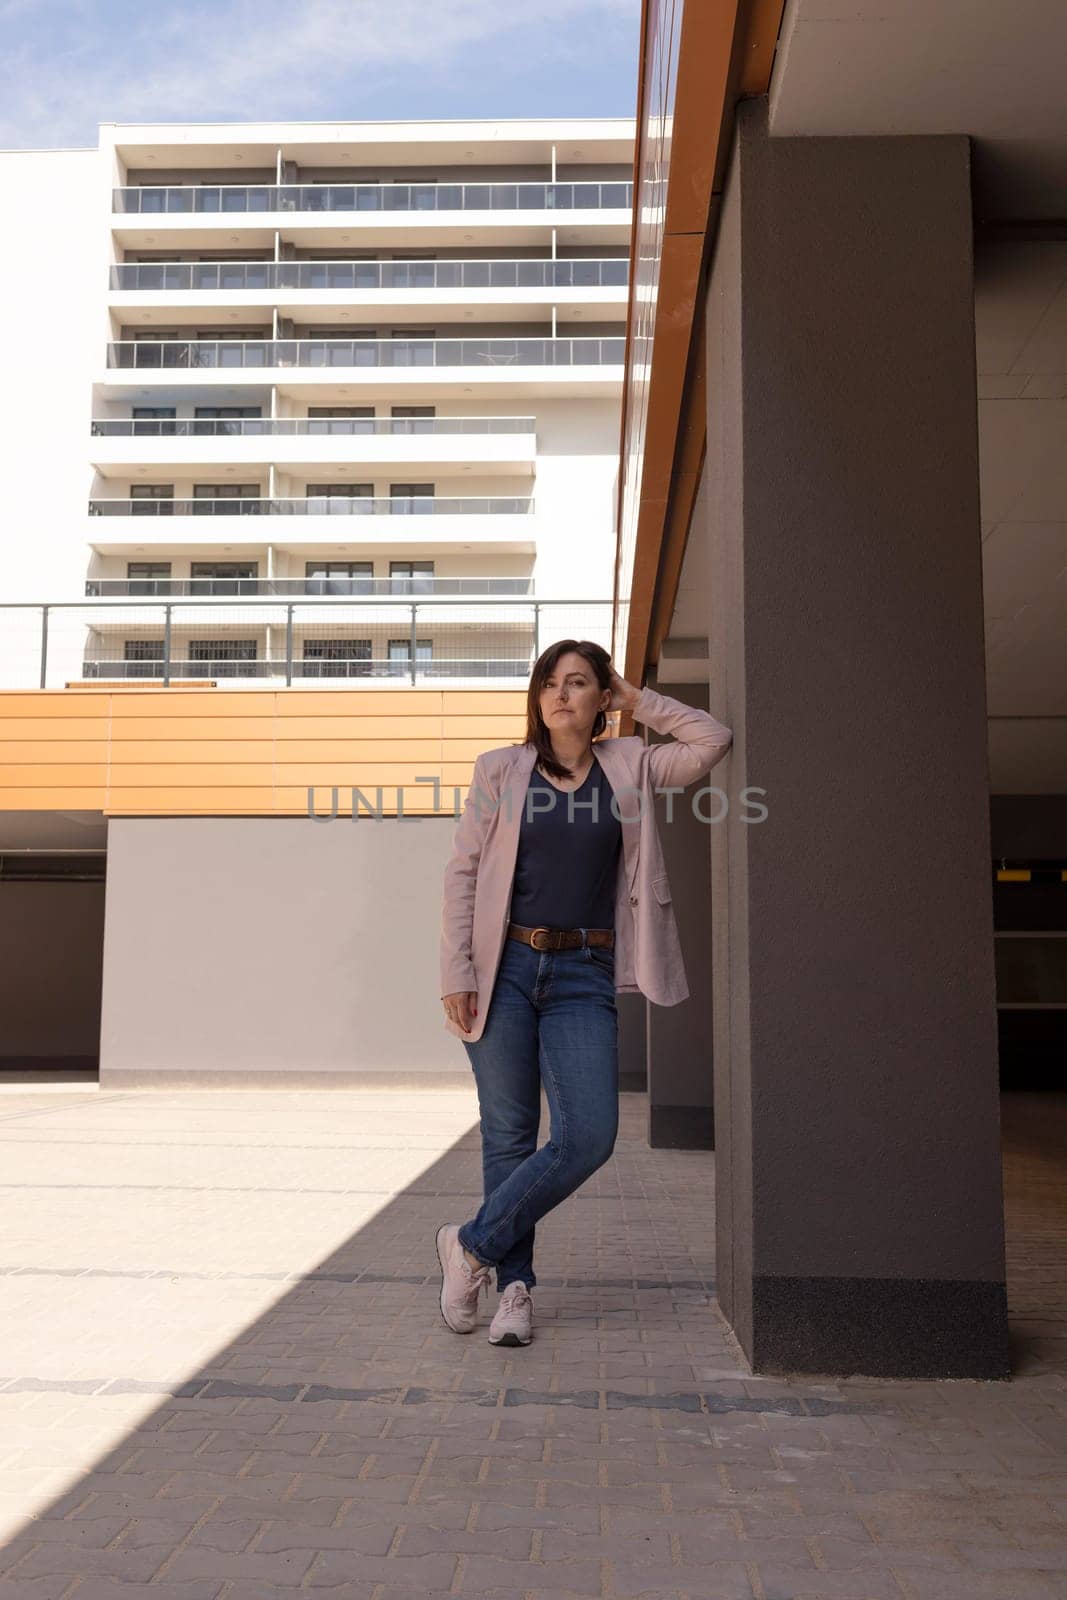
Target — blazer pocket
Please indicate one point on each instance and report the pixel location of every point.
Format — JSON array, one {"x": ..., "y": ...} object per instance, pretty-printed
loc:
[{"x": 661, "y": 888}]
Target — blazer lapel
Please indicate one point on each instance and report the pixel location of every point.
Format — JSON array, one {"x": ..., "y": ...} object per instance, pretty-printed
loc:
[
  {"x": 512, "y": 799},
  {"x": 614, "y": 761}
]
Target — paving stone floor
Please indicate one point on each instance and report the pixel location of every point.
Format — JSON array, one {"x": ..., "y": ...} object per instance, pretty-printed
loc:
[{"x": 223, "y": 1374}]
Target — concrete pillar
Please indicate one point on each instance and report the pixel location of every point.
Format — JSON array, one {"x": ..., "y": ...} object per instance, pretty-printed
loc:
[
  {"x": 633, "y": 1043},
  {"x": 859, "y": 1206},
  {"x": 680, "y": 1097}
]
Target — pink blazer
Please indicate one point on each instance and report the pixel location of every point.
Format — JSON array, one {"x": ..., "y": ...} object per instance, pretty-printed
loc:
[{"x": 479, "y": 875}]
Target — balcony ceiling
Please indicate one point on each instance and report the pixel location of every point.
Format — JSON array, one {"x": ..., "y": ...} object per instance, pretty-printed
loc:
[
  {"x": 422, "y": 230},
  {"x": 364, "y": 309},
  {"x": 436, "y": 144},
  {"x": 162, "y": 464},
  {"x": 993, "y": 71},
  {"x": 355, "y": 385},
  {"x": 310, "y": 549}
]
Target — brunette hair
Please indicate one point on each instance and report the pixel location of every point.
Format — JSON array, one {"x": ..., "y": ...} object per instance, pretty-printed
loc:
[{"x": 536, "y": 733}]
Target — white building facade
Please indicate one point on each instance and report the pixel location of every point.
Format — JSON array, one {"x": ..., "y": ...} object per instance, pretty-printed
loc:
[{"x": 299, "y": 404}]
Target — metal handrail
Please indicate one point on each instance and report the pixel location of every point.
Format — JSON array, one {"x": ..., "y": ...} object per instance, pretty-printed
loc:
[
  {"x": 226, "y": 276},
  {"x": 230, "y": 427},
  {"x": 338, "y": 504},
  {"x": 261, "y": 353},
  {"x": 233, "y": 199}
]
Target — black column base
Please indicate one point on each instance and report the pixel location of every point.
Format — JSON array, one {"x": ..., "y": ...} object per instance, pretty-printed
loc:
[
  {"x": 880, "y": 1327},
  {"x": 681, "y": 1127}
]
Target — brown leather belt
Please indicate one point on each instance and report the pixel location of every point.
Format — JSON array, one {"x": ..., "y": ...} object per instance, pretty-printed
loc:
[{"x": 560, "y": 938}]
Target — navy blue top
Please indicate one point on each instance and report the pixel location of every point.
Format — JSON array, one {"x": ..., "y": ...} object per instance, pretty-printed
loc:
[{"x": 565, "y": 870}]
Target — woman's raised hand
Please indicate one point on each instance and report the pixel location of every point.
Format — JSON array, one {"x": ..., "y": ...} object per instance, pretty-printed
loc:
[{"x": 623, "y": 694}]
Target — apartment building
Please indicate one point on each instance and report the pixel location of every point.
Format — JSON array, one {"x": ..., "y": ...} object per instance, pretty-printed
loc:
[{"x": 314, "y": 404}]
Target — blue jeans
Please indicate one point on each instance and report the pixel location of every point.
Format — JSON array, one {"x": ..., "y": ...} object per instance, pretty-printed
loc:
[{"x": 552, "y": 1019}]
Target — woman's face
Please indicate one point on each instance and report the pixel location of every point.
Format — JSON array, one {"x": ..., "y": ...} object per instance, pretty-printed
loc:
[{"x": 570, "y": 695}]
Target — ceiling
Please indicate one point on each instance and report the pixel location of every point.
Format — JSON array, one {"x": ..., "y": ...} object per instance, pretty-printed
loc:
[{"x": 986, "y": 68}]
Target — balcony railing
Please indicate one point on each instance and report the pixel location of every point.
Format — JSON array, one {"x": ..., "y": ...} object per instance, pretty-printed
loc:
[
  {"x": 45, "y": 645},
  {"x": 224, "y": 667},
  {"x": 371, "y": 275},
  {"x": 318, "y": 505},
  {"x": 238, "y": 427},
  {"x": 486, "y": 352},
  {"x": 230, "y": 199},
  {"x": 162, "y": 588}
]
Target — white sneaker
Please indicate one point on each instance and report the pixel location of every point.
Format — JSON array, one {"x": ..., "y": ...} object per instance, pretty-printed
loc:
[
  {"x": 461, "y": 1284},
  {"x": 513, "y": 1323}
]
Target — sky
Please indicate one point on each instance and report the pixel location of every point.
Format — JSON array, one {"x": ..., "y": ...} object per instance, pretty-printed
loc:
[{"x": 68, "y": 65}]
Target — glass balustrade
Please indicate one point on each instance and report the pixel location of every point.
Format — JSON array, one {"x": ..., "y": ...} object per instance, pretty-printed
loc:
[
  {"x": 192, "y": 354},
  {"x": 208, "y": 199},
  {"x": 340, "y": 504},
  {"x": 332, "y": 585},
  {"x": 219, "y": 427},
  {"x": 181, "y": 276}
]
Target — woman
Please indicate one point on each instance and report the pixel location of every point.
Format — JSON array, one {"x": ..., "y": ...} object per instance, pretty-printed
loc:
[{"x": 555, "y": 897}]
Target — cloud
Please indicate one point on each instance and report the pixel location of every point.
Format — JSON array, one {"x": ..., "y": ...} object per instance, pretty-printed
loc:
[{"x": 71, "y": 63}]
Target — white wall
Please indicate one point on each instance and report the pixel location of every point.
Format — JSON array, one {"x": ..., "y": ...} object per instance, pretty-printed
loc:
[
  {"x": 288, "y": 948},
  {"x": 53, "y": 276}
]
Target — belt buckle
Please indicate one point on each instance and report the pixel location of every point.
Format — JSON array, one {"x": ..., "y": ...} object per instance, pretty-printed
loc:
[{"x": 533, "y": 938}]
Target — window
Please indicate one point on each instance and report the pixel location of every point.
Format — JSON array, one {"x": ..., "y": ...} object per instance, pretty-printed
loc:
[
  {"x": 224, "y": 577},
  {"x": 413, "y": 419},
  {"x": 337, "y": 658},
  {"x": 147, "y": 577},
  {"x": 411, "y": 272},
  {"x": 228, "y": 411},
  {"x": 408, "y": 498},
  {"x": 421, "y": 195},
  {"x": 340, "y": 411},
  {"x": 340, "y": 347},
  {"x": 417, "y": 347},
  {"x": 152, "y": 421},
  {"x": 400, "y": 654},
  {"x": 340, "y": 419},
  {"x": 223, "y": 658},
  {"x": 142, "y": 658},
  {"x": 411, "y": 577},
  {"x": 226, "y": 499},
  {"x": 340, "y": 498},
  {"x": 223, "y": 419},
  {"x": 151, "y": 499},
  {"x": 339, "y": 577}
]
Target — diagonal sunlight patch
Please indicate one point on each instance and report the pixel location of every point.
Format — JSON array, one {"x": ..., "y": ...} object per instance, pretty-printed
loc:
[{"x": 162, "y": 1239}]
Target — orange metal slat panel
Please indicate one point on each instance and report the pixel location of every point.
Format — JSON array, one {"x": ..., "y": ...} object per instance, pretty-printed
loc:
[
  {"x": 16, "y": 752},
  {"x": 51, "y": 703},
  {"x": 63, "y": 775}
]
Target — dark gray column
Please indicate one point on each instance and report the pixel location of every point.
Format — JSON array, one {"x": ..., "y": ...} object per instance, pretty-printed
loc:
[
  {"x": 680, "y": 1097},
  {"x": 633, "y": 1044},
  {"x": 859, "y": 1216}
]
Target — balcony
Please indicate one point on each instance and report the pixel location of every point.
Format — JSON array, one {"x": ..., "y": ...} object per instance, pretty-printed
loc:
[
  {"x": 295, "y": 588},
  {"x": 472, "y": 667},
  {"x": 416, "y": 447},
  {"x": 438, "y": 522},
  {"x": 323, "y": 505},
  {"x": 259, "y": 354},
  {"x": 441, "y": 368},
  {"x": 287, "y": 427},
  {"x": 236, "y": 199},
  {"x": 181, "y": 277},
  {"x": 282, "y": 642}
]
